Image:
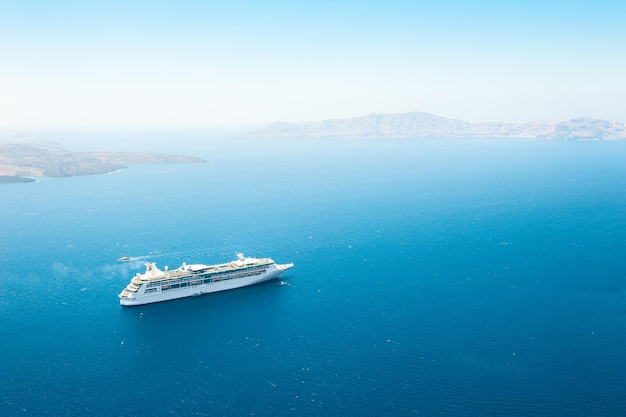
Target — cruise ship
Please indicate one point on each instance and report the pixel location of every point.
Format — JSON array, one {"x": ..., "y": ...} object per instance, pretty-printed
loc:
[{"x": 156, "y": 285}]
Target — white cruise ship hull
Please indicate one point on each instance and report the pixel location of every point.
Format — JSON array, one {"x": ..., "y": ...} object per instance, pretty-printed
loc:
[{"x": 197, "y": 285}]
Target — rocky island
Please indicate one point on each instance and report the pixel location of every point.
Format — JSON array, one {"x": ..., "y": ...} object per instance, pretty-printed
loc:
[
  {"x": 416, "y": 125},
  {"x": 19, "y": 161}
]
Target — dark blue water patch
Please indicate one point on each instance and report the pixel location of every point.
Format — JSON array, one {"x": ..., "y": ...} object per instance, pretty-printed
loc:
[{"x": 434, "y": 278}]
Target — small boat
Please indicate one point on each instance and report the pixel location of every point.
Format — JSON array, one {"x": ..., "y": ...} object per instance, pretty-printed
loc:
[{"x": 124, "y": 259}]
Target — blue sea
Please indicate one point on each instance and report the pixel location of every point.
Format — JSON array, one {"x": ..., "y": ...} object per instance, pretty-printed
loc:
[{"x": 482, "y": 277}]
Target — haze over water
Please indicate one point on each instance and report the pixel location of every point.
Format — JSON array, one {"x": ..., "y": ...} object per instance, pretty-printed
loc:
[
  {"x": 447, "y": 277},
  {"x": 479, "y": 277}
]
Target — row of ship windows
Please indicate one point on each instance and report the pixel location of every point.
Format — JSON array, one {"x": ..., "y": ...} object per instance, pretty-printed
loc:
[
  {"x": 205, "y": 271},
  {"x": 188, "y": 283},
  {"x": 220, "y": 276}
]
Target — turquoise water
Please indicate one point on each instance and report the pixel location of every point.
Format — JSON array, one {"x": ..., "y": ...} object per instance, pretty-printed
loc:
[{"x": 455, "y": 278}]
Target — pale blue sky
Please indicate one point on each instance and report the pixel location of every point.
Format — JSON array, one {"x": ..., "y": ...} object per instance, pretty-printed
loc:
[{"x": 203, "y": 64}]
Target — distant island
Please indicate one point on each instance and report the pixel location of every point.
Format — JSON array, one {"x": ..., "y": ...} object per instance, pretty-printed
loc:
[
  {"x": 424, "y": 125},
  {"x": 19, "y": 161}
]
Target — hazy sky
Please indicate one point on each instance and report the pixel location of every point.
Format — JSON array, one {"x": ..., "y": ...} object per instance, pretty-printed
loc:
[{"x": 206, "y": 64}]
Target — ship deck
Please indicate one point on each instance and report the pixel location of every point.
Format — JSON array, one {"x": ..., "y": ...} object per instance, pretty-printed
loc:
[{"x": 200, "y": 269}]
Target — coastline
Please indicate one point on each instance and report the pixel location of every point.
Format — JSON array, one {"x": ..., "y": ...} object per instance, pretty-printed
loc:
[
  {"x": 20, "y": 162},
  {"x": 14, "y": 179}
]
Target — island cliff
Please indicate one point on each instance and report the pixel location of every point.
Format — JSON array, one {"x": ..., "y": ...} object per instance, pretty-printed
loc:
[{"x": 424, "y": 125}]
